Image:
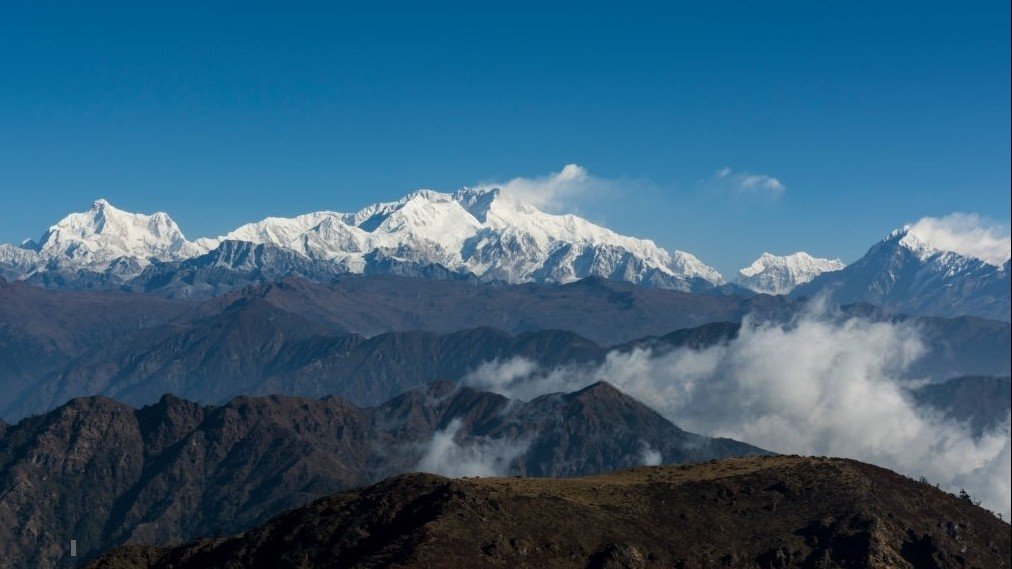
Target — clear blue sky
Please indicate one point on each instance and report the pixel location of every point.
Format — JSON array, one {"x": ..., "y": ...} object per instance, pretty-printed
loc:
[{"x": 870, "y": 114}]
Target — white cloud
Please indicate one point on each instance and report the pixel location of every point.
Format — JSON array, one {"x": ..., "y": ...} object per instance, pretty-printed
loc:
[
  {"x": 481, "y": 457},
  {"x": 513, "y": 377},
  {"x": 556, "y": 191},
  {"x": 966, "y": 234},
  {"x": 819, "y": 385},
  {"x": 748, "y": 183},
  {"x": 649, "y": 456}
]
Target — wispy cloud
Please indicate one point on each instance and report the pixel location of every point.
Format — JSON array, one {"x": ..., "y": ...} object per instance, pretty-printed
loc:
[
  {"x": 967, "y": 234},
  {"x": 559, "y": 191},
  {"x": 748, "y": 183},
  {"x": 444, "y": 454}
]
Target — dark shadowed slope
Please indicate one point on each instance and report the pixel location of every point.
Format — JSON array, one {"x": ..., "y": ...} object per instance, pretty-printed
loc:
[
  {"x": 983, "y": 402},
  {"x": 41, "y": 330},
  {"x": 755, "y": 512},
  {"x": 604, "y": 311},
  {"x": 105, "y": 474}
]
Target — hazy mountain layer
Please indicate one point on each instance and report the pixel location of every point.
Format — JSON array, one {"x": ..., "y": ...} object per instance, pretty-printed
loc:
[
  {"x": 299, "y": 338},
  {"x": 292, "y": 338},
  {"x": 983, "y": 402}
]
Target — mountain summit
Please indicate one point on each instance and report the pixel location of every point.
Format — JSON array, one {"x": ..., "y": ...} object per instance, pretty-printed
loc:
[
  {"x": 772, "y": 274},
  {"x": 478, "y": 231},
  {"x": 96, "y": 238},
  {"x": 482, "y": 231},
  {"x": 916, "y": 270}
]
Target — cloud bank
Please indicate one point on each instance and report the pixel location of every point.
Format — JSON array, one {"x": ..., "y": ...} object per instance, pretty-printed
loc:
[
  {"x": 818, "y": 385},
  {"x": 967, "y": 234},
  {"x": 748, "y": 183}
]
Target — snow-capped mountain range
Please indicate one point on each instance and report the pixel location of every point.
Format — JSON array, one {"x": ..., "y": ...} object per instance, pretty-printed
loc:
[
  {"x": 477, "y": 231},
  {"x": 772, "y": 274},
  {"x": 484, "y": 233}
]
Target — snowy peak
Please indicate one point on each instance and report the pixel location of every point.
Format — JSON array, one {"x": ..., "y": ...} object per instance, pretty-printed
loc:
[
  {"x": 950, "y": 266},
  {"x": 97, "y": 237},
  {"x": 17, "y": 262},
  {"x": 773, "y": 274},
  {"x": 480, "y": 231},
  {"x": 477, "y": 201},
  {"x": 961, "y": 234}
]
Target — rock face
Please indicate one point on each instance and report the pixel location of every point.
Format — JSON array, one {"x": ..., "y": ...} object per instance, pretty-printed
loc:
[
  {"x": 478, "y": 232},
  {"x": 753, "y": 512},
  {"x": 907, "y": 273},
  {"x": 772, "y": 274},
  {"x": 105, "y": 474}
]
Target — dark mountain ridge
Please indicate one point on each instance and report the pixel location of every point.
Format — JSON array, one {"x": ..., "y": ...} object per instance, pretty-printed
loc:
[{"x": 103, "y": 473}]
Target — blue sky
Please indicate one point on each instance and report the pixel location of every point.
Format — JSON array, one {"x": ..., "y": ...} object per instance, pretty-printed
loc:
[{"x": 831, "y": 122}]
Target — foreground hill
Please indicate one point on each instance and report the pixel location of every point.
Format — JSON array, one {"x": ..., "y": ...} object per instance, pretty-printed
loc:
[
  {"x": 105, "y": 474},
  {"x": 752, "y": 512}
]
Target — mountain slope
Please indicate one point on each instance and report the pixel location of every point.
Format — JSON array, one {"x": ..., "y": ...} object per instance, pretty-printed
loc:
[
  {"x": 475, "y": 231},
  {"x": 908, "y": 273},
  {"x": 41, "y": 330},
  {"x": 177, "y": 470},
  {"x": 983, "y": 402},
  {"x": 755, "y": 512},
  {"x": 599, "y": 309},
  {"x": 772, "y": 274}
]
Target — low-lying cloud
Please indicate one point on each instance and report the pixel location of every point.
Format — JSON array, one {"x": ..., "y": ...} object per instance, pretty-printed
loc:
[
  {"x": 649, "y": 456},
  {"x": 967, "y": 234},
  {"x": 445, "y": 454},
  {"x": 819, "y": 385}
]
